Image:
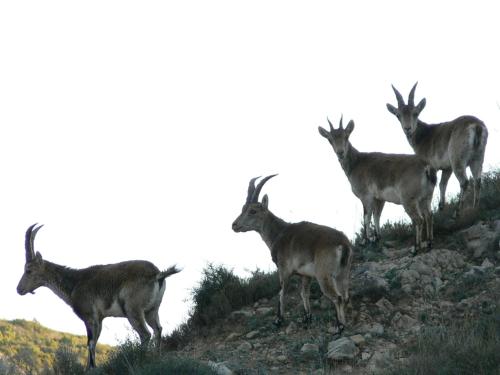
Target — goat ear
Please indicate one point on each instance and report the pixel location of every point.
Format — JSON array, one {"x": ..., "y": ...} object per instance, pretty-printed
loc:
[
  {"x": 323, "y": 132},
  {"x": 349, "y": 128},
  {"x": 421, "y": 105},
  {"x": 38, "y": 257},
  {"x": 392, "y": 109},
  {"x": 265, "y": 201}
]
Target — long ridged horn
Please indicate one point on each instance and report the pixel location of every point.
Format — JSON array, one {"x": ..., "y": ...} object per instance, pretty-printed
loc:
[
  {"x": 341, "y": 126},
  {"x": 251, "y": 189},
  {"x": 256, "y": 193},
  {"x": 330, "y": 123},
  {"x": 30, "y": 241},
  {"x": 399, "y": 97},
  {"x": 412, "y": 95}
]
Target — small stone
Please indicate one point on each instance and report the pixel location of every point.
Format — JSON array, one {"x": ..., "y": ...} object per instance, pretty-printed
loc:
[
  {"x": 232, "y": 336},
  {"x": 365, "y": 356},
  {"x": 310, "y": 350},
  {"x": 385, "y": 306},
  {"x": 375, "y": 329},
  {"x": 220, "y": 368},
  {"x": 403, "y": 321},
  {"x": 332, "y": 330},
  {"x": 341, "y": 349},
  {"x": 252, "y": 334},
  {"x": 241, "y": 314},
  {"x": 291, "y": 328},
  {"x": 245, "y": 346},
  {"x": 264, "y": 310},
  {"x": 282, "y": 358},
  {"x": 358, "y": 340},
  {"x": 487, "y": 264}
]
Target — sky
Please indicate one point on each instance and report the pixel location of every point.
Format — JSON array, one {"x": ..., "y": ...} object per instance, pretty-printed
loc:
[{"x": 131, "y": 129}]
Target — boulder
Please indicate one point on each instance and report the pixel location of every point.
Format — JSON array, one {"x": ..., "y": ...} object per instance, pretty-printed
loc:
[{"x": 342, "y": 349}]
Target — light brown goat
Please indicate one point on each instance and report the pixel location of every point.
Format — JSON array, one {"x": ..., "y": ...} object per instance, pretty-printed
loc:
[
  {"x": 449, "y": 146},
  {"x": 132, "y": 289},
  {"x": 377, "y": 178},
  {"x": 306, "y": 249}
]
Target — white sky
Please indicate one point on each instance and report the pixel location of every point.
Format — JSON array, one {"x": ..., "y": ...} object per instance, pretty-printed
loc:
[{"x": 131, "y": 129}]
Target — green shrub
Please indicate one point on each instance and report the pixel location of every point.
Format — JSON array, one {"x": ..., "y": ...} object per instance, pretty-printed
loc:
[
  {"x": 221, "y": 291},
  {"x": 135, "y": 359},
  {"x": 67, "y": 361}
]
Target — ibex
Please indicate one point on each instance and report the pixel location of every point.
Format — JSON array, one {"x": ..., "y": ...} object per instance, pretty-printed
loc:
[
  {"x": 306, "y": 249},
  {"x": 449, "y": 146},
  {"x": 377, "y": 178},
  {"x": 132, "y": 289}
]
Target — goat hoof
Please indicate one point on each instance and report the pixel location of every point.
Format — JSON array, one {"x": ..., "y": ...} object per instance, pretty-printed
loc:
[
  {"x": 307, "y": 319},
  {"x": 278, "y": 322},
  {"x": 338, "y": 334}
]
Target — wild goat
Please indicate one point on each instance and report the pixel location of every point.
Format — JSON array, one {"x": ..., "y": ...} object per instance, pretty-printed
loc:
[
  {"x": 449, "y": 146},
  {"x": 132, "y": 289},
  {"x": 306, "y": 249},
  {"x": 377, "y": 178}
]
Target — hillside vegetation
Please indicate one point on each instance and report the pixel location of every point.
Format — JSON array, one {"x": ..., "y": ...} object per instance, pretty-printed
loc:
[
  {"x": 29, "y": 347},
  {"x": 434, "y": 313}
]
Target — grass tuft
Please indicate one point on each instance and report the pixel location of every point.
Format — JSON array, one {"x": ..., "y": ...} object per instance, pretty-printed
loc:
[{"x": 469, "y": 347}]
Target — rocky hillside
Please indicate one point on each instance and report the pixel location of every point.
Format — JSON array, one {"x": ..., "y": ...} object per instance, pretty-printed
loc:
[
  {"x": 436, "y": 312},
  {"x": 395, "y": 300}
]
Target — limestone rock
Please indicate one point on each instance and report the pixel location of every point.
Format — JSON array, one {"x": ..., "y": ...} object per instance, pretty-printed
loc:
[
  {"x": 264, "y": 310},
  {"x": 341, "y": 349},
  {"x": 252, "y": 334},
  {"x": 245, "y": 346},
  {"x": 359, "y": 340},
  {"x": 238, "y": 314},
  {"x": 220, "y": 368},
  {"x": 310, "y": 350}
]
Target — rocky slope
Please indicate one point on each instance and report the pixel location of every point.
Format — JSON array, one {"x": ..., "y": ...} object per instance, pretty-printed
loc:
[{"x": 394, "y": 298}]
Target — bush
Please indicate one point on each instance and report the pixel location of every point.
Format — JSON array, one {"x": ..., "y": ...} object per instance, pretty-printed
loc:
[
  {"x": 136, "y": 359},
  {"x": 67, "y": 361},
  {"x": 469, "y": 347},
  {"x": 7, "y": 368},
  {"x": 221, "y": 291}
]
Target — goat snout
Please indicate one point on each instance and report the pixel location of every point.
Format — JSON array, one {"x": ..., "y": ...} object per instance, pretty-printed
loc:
[{"x": 235, "y": 226}]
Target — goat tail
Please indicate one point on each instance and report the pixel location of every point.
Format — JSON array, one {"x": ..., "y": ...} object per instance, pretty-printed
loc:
[
  {"x": 480, "y": 136},
  {"x": 346, "y": 255},
  {"x": 172, "y": 270},
  {"x": 431, "y": 174}
]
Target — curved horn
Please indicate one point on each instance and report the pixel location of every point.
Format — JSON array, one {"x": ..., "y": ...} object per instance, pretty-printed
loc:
[
  {"x": 330, "y": 123},
  {"x": 251, "y": 189},
  {"x": 399, "y": 97},
  {"x": 28, "y": 243},
  {"x": 340, "y": 123},
  {"x": 412, "y": 95},
  {"x": 256, "y": 193}
]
